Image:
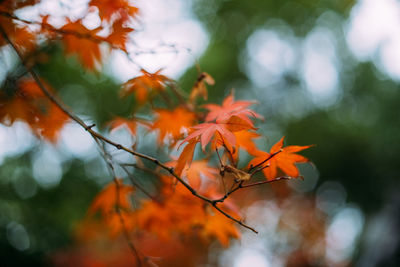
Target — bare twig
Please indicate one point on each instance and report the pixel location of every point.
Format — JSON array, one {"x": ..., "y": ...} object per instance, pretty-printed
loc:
[
  {"x": 233, "y": 219},
  {"x": 227, "y": 150},
  {"x": 268, "y": 181},
  {"x": 130, "y": 176},
  {"x": 143, "y": 168},
  {"x": 219, "y": 158},
  {"x": 262, "y": 162},
  {"x": 107, "y": 159},
  {"x": 241, "y": 185}
]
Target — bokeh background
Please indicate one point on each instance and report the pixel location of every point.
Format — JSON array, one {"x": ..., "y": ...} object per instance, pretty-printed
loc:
[{"x": 324, "y": 72}]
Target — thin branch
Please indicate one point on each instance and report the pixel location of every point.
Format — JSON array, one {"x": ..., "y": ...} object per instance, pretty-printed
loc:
[
  {"x": 233, "y": 219},
  {"x": 233, "y": 189},
  {"x": 130, "y": 176},
  {"x": 221, "y": 171},
  {"x": 227, "y": 150},
  {"x": 241, "y": 185},
  {"x": 258, "y": 170},
  {"x": 219, "y": 158},
  {"x": 107, "y": 159},
  {"x": 268, "y": 181},
  {"x": 142, "y": 168},
  {"x": 180, "y": 94},
  {"x": 262, "y": 162},
  {"x": 96, "y": 39}
]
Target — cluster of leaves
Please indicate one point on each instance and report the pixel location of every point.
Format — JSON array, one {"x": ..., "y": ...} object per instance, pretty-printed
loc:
[
  {"x": 193, "y": 196},
  {"x": 22, "y": 99}
]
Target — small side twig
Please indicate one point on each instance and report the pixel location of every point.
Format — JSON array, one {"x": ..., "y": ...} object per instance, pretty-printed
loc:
[{"x": 262, "y": 162}]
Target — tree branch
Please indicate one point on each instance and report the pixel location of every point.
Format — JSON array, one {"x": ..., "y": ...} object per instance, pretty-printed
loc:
[
  {"x": 98, "y": 136},
  {"x": 268, "y": 181}
]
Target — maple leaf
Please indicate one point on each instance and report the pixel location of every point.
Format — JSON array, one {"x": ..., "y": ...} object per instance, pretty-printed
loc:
[
  {"x": 244, "y": 140},
  {"x": 230, "y": 108},
  {"x": 20, "y": 36},
  {"x": 30, "y": 105},
  {"x": 208, "y": 130},
  {"x": 113, "y": 221},
  {"x": 83, "y": 42},
  {"x": 195, "y": 172},
  {"x": 236, "y": 123},
  {"x": 284, "y": 160},
  {"x": 119, "y": 8},
  {"x": 118, "y": 36},
  {"x": 198, "y": 170},
  {"x": 172, "y": 122},
  {"x": 186, "y": 157},
  {"x": 145, "y": 84},
  {"x": 178, "y": 212},
  {"x": 218, "y": 226},
  {"x": 106, "y": 200}
]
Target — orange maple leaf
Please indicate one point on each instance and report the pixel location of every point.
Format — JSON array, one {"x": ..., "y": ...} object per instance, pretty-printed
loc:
[
  {"x": 172, "y": 122},
  {"x": 244, "y": 140},
  {"x": 145, "y": 84},
  {"x": 118, "y": 36},
  {"x": 186, "y": 157},
  {"x": 83, "y": 42},
  {"x": 121, "y": 9},
  {"x": 106, "y": 201},
  {"x": 30, "y": 105},
  {"x": 195, "y": 172},
  {"x": 180, "y": 213},
  {"x": 217, "y": 226},
  {"x": 198, "y": 171},
  {"x": 284, "y": 160},
  {"x": 21, "y": 36}
]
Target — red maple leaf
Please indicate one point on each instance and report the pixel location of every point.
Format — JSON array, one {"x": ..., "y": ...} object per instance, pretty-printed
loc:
[{"x": 207, "y": 130}]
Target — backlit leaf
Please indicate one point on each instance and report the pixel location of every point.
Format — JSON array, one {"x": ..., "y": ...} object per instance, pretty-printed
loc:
[{"x": 284, "y": 160}]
